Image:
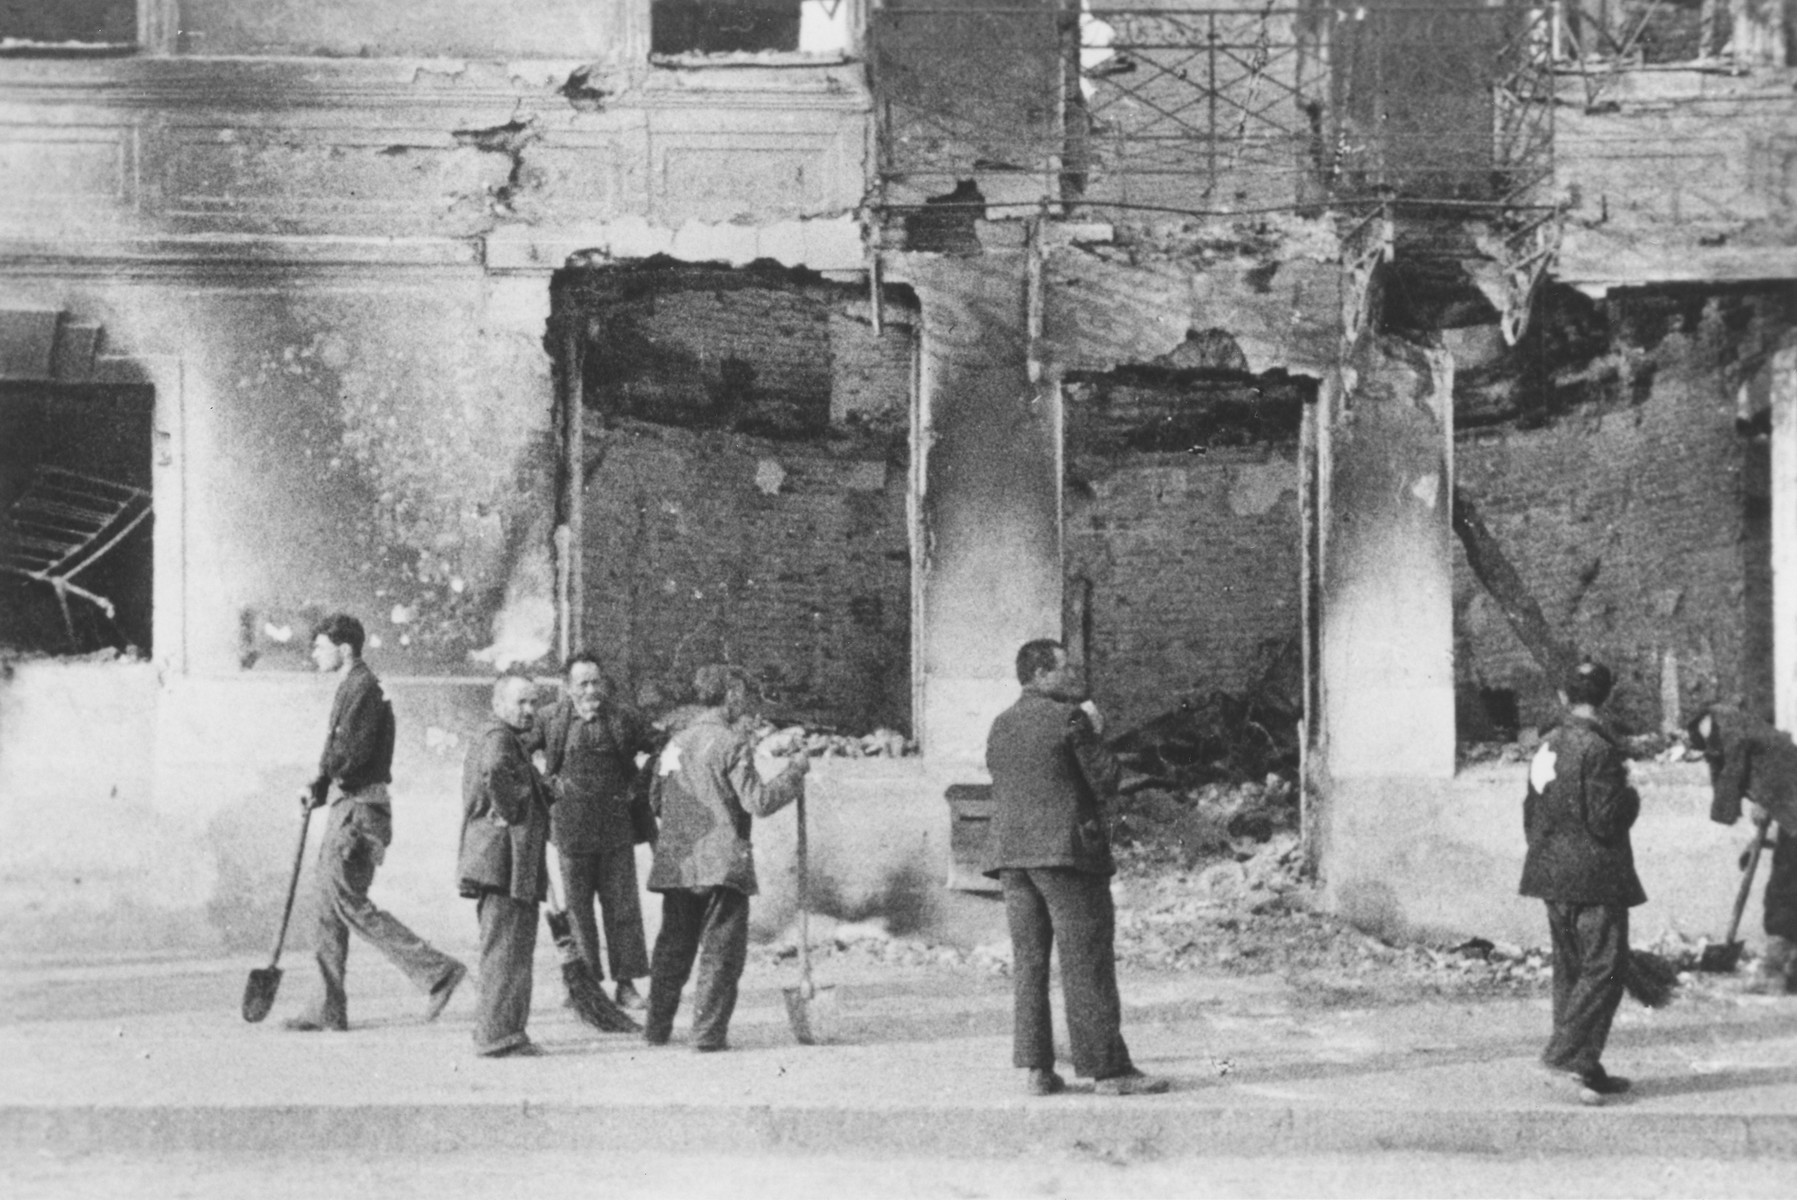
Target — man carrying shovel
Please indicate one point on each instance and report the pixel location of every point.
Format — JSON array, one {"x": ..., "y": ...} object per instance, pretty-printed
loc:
[
  {"x": 358, "y": 763},
  {"x": 1750, "y": 759},
  {"x": 704, "y": 866}
]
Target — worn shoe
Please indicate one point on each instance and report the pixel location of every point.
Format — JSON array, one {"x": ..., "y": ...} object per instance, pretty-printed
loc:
[
  {"x": 312, "y": 1025},
  {"x": 710, "y": 1047},
  {"x": 521, "y": 1050},
  {"x": 656, "y": 1037},
  {"x": 1043, "y": 1082},
  {"x": 446, "y": 986},
  {"x": 627, "y": 997},
  {"x": 1131, "y": 1083},
  {"x": 1590, "y": 1088}
]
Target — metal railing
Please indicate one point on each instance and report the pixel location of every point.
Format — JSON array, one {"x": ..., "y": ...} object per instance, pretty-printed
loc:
[{"x": 1213, "y": 110}]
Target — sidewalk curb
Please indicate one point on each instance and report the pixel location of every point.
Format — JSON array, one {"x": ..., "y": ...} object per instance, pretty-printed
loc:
[{"x": 1137, "y": 1129}]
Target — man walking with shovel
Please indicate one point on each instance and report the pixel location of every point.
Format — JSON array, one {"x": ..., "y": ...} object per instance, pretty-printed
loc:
[
  {"x": 358, "y": 763},
  {"x": 704, "y": 866}
]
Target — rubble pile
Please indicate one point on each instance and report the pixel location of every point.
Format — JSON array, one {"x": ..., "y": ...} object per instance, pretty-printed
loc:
[
  {"x": 1643, "y": 747},
  {"x": 823, "y": 742}
]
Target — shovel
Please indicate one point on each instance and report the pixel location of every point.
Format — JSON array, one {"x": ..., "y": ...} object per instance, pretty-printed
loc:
[
  {"x": 264, "y": 982},
  {"x": 811, "y": 1010},
  {"x": 1722, "y": 959}
]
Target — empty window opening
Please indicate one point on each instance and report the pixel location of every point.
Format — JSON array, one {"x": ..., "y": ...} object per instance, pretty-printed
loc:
[
  {"x": 1183, "y": 550},
  {"x": 680, "y": 29},
  {"x": 75, "y": 518},
  {"x": 67, "y": 26},
  {"x": 745, "y": 470}
]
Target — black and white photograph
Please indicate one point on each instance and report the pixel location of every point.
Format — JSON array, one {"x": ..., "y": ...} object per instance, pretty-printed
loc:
[{"x": 898, "y": 599}]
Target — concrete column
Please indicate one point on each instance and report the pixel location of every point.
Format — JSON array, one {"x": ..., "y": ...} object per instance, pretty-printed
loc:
[
  {"x": 1386, "y": 695},
  {"x": 989, "y": 506},
  {"x": 1784, "y": 536}
]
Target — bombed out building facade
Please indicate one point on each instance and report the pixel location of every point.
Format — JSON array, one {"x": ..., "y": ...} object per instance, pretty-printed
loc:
[{"x": 856, "y": 345}]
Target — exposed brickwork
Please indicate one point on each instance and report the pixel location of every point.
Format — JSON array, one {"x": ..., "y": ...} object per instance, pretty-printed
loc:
[
  {"x": 786, "y": 559},
  {"x": 1194, "y": 566},
  {"x": 1631, "y": 522}
]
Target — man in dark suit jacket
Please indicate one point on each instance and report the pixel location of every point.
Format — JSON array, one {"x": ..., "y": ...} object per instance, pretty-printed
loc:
[
  {"x": 1050, "y": 848},
  {"x": 505, "y": 827},
  {"x": 1750, "y": 759},
  {"x": 710, "y": 793},
  {"x": 1577, "y": 817},
  {"x": 358, "y": 763},
  {"x": 590, "y": 743}
]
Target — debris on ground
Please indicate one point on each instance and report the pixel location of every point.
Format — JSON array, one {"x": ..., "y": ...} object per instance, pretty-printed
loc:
[
  {"x": 1645, "y": 747},
  {"x": 820, "y": 742}
]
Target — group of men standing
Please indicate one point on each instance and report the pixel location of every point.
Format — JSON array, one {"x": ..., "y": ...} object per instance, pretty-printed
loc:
[{"x": 572, "y": 775}]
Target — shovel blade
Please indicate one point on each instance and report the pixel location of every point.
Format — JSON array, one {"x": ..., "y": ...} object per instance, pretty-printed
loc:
[
  {"x": 812, "y": 1013},
  {"x": 1720, "y": 960},
  {"x": 259, "y": 993}
]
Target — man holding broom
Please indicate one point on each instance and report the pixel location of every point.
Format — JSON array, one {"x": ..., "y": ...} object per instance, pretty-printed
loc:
[{"x": 1581, "y": 865}]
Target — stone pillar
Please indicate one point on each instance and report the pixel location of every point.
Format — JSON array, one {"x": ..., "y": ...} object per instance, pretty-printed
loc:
[
  {"x": 989, "y": 499},
  {"x": 1784, "y": 536},
  {"x": 1386, "y": 695}
]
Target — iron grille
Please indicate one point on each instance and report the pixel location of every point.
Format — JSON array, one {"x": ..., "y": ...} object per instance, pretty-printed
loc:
[{"x": 1213, "y": 110}]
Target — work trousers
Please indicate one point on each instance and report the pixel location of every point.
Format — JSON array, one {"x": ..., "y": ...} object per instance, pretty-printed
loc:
[
  {"x": 1781, "y": 887},
  {"x": 1591, "y": 948},
  {"x": 712, "y": 925},
  {"x": 607, "y": 878},
  {"x": 1046, "y": 906},
  {"x": 355, "y": 842},
  {"x": 508, "y": 942}
]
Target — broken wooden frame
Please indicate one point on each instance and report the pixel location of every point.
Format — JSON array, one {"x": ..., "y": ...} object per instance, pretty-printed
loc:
[{"x": 63, "y": 523}]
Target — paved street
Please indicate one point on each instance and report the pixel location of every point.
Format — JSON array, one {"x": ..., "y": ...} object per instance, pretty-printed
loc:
[{"x": 141, "y": 1079}]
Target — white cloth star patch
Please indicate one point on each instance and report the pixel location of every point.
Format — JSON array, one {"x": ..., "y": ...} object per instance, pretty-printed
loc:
[{"x": 1541, "y": 768}]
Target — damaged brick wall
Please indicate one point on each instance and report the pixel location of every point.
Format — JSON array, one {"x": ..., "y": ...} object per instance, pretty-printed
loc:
[
  {"x": 1182, "y": 528},
  {"x": 745, "y": 492},
  {"x": 1622, "y": 489}
]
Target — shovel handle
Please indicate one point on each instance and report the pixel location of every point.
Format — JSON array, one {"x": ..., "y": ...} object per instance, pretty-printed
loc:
[
  {"x": 299, "y": 857},
  {"x": 804, "y": 889},
  {"x": 1753, "y": 862}
]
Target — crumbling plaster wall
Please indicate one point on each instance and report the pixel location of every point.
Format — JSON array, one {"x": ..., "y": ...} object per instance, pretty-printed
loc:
[
  {"x": 1628, "y": 505},
  {"x": 334, "y": 272}
]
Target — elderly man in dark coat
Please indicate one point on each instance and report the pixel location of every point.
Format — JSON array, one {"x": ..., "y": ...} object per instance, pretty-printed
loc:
[
  {"x": 1750, "y": 759},
  {"x": 1050, "y": 848},
  {"x": 1580, "y": 863},
  {"x": 704, "y": 868},
  {"x": 505, "y": 826}
]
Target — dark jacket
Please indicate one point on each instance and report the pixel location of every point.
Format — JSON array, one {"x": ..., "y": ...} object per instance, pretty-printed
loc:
[
  {"x": 1050, "y": 778},
  {"x": 709, "y": 790},
  {"x": 505, "y": 819},
  {"x": 1749, "y": 758},
  {"x": 1578, "y": 822},
  {"x": 358, "y": 750},
  {"x": 591, "y": 769}
]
